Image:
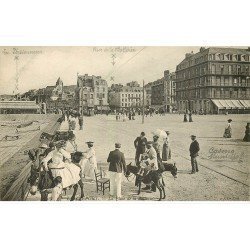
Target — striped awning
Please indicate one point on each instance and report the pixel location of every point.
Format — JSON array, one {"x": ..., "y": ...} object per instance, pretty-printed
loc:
[
  {"x": 245, "y": 103},
  {"x": 231, "y": 104}
]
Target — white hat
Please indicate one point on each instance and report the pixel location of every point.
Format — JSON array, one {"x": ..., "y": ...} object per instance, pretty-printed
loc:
[{"x": 43, "y": 146}]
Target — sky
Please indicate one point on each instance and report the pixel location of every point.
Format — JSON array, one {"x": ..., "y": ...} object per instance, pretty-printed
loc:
[{"x": 39, "y": 67}]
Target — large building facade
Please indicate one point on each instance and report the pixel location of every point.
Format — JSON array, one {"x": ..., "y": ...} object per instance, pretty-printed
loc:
[
  {"x": 128, "y": 96},
  {"x": 92, "y": 92},
  {"x": 162, "y": 93},
  {"x": 214, "y": 80}
]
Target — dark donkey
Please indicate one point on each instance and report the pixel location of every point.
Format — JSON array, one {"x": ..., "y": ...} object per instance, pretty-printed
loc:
[
  {"x": 154, "y": 176},
  {"x": 40, "y": 179}
]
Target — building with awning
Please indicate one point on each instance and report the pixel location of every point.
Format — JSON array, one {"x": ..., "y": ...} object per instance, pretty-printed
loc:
[
  {"x": 214, "y": 80},
  {"x": 19, "y": 107},
  {"x": 231, "y": 106}
]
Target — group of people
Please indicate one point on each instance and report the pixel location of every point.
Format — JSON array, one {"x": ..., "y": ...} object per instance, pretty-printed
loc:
[
  {"x": 124, "y": 115},
  {"x": 57, "y": 159}
]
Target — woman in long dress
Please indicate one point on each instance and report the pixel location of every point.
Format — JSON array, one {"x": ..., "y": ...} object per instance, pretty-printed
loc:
[
  {"x": 69, "y": 172},
  {"x": 166, "y": 151},
  {"x": 228, "y": 130},
  {"x": 89, "y": 162}
]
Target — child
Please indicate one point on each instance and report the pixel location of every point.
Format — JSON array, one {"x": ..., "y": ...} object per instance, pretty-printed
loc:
[{"x": 144, "y": 163}]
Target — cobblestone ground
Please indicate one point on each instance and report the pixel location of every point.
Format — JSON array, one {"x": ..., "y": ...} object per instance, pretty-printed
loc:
[{"x": 223, "y": 172}]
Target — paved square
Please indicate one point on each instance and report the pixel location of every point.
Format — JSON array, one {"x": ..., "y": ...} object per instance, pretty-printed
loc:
[{"x": 223, "y": 172}]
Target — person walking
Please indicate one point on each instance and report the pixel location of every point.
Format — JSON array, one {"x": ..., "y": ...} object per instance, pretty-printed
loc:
[
  {"x": 89, "y": 162},
  {"x": 228, "y": 130},
  {"x": 140, "y": 146},
  {"x": 80, "y": 120},
  {"x": 166, "y": 150},
  {"x": 194, "y": 149},
  {"x": 117, "y": 165},
  {"x": 190, "y": 117},
  {"x": 185, "y": 118}
]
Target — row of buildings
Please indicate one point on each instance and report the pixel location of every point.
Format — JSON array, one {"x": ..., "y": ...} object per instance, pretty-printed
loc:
[{"x": 214, "y": 80}]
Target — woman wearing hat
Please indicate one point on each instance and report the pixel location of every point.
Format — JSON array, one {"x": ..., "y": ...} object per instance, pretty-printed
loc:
[
  {"x": 228, "y": 130},
  {"x": 68, "y": 171},
  {"x": 89, "y": 162}
]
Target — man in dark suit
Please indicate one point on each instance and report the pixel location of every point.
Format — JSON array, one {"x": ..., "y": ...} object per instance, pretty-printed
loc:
[
  {"x": 194, "y": 149},
  {"x": 140, "y": 146},
  {"x": 117, "y": 165}
]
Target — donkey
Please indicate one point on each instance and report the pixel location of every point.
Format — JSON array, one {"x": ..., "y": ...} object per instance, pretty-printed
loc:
[
  {"x": 42, "y": 180},
  {"x": 154, "y": 176}
]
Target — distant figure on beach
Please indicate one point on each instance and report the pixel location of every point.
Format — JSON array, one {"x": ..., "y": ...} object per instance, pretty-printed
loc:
[
  {"x": 194, "y": 149},
  {"x": 228, "y": 130},
  {"x": 190, "y": 117},
  {"x": 185, "y": 118},
  {"x": 166, "y": 150},
  {"x": 247, "y": 133}
]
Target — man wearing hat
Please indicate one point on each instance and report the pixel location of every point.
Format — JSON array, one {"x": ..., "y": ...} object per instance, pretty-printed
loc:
[
  {"x": 194, "y": 149},
  {"x": 117, "y": 165},
  {"x": 89, "y": 162},
  {"x": 140, "y": 146}
]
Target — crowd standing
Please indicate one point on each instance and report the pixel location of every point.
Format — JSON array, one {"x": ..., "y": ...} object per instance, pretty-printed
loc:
[{"x": 149, "y": 154}]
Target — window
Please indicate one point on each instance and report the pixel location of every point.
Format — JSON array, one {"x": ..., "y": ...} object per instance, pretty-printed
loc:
[
  {"x": 230, "y": 69},
  {"x": 222, "y": 69},
  {"x": 218, "y": 80},
  {"x": 239, "y": 58},
  {"x": 226, "y": 79},
  {"x": 103, "y": 89},
  {"x": 213, "y": 69},
  {"x": 222, "y": 56},
  {"x": 239, "y": 70}
]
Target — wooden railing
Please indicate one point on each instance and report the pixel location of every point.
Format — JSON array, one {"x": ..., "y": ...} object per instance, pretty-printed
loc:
[{"x": 20, "y": 187}]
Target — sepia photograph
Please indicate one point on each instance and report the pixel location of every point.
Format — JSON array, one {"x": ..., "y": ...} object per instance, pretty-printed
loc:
[{"x": 124, "y": 123}]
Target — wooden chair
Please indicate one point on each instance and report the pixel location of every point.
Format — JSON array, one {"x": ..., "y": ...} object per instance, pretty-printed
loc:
[{"x": 101, "y": 183}]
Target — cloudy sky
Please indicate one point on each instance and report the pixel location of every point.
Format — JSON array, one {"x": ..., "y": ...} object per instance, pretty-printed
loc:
[{"x": 41, "y": 66}]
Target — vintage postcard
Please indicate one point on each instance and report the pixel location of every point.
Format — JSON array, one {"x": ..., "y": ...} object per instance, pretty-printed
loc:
[{"x": 124, "y": 123}]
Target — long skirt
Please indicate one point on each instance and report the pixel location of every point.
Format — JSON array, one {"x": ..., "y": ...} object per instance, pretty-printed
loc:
[
  {"x": 166, "y": 153},
  {"x": 88, "y": 169},
  {"x": 227, "y": 133},
  {"x": 70, "y": 174}
]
